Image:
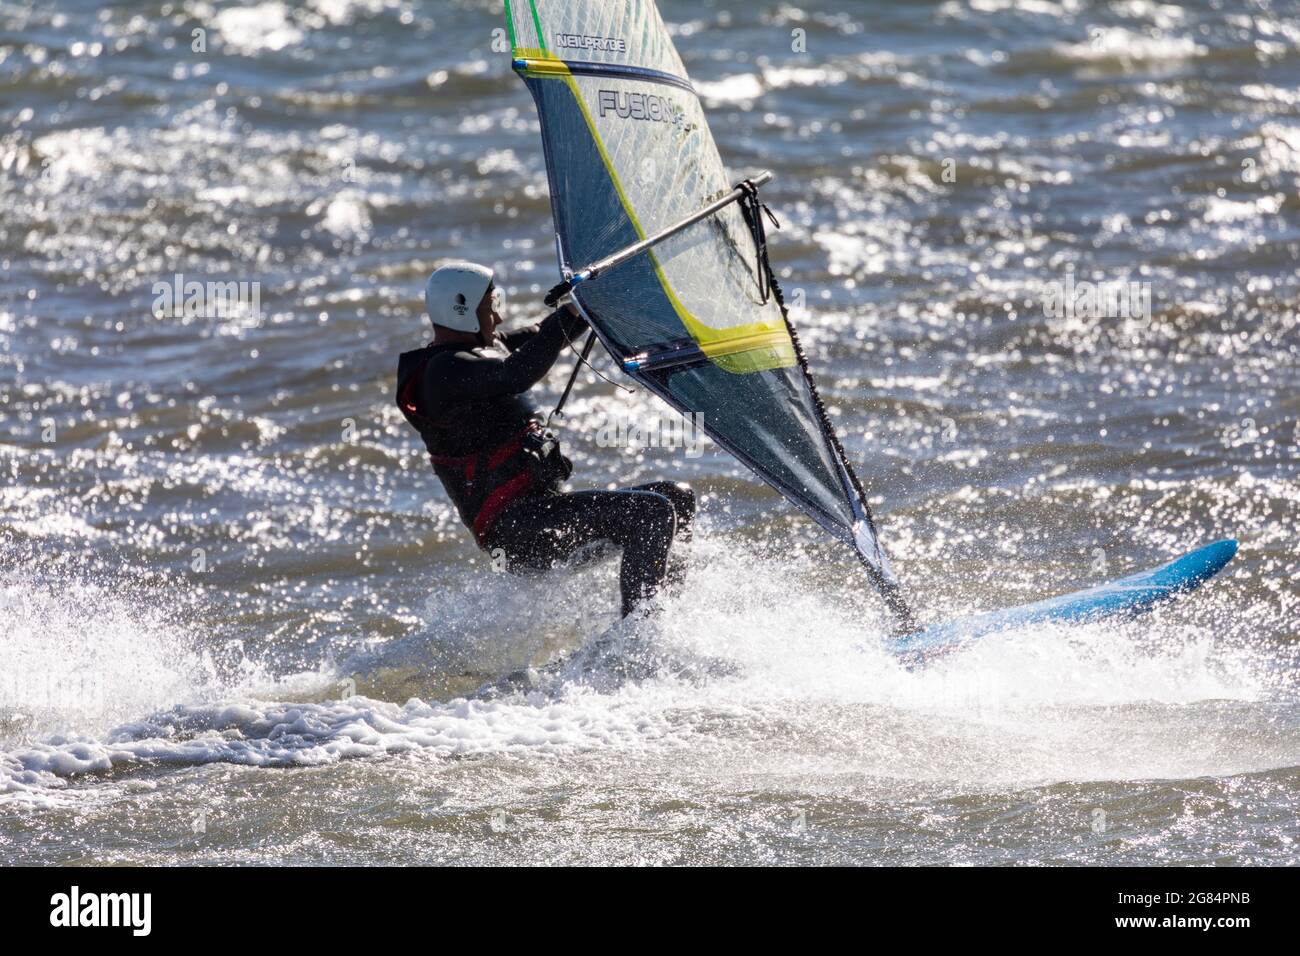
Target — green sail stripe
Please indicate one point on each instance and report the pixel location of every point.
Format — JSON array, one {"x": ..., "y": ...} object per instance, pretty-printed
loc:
[
  {"x": 537, "y": 22},
  {"x": 510, "y": 25}
]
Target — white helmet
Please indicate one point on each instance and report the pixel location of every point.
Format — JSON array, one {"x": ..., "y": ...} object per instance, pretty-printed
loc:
[{"x": 453, "y": 293}]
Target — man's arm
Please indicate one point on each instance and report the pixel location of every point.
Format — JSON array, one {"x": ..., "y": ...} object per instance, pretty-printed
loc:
[
  {"x": 515, "y": 340},
  {"x": 462, "y": 375}
]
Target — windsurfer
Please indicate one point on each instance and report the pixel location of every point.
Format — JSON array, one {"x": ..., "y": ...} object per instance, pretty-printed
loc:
[{"x": 465, "y": 394}]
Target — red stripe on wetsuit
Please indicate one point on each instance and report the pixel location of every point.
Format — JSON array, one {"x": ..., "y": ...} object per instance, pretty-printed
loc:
[{"x": 505, "y": 490}]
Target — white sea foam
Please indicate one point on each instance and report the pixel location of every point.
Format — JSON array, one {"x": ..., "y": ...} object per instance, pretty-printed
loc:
[
  {"x": 76, "y": 658},
  {"x": 805, "y": 675}
]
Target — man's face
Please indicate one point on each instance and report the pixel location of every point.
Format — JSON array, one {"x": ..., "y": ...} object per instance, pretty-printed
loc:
[{"x": 488, "y": 316}]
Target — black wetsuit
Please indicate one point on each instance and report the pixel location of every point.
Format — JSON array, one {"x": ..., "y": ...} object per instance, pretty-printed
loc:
[{"x": 504, "y": 474}]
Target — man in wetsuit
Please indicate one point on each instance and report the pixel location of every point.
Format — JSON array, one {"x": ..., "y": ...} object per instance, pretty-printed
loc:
[{"x": 465, "y": 394}]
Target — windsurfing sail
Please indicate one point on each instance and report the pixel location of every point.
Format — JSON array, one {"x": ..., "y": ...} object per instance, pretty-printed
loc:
[{"x": 629, "y": 153}]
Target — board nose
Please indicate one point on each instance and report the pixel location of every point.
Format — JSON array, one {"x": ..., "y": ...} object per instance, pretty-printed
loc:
[{"x": 1211, "y": 559}]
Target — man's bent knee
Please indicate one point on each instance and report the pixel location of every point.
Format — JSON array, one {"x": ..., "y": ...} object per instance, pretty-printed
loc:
[
  {"x": 656, "y": 515},
  {"x": 682, "y": 498}
]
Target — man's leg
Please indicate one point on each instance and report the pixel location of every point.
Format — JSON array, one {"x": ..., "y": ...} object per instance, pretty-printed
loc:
[
  {"x": 540, "y": 532},
  {"x": 683, "y": 501}
]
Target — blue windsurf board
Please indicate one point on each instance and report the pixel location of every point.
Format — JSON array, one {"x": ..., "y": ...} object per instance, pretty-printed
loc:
[{"x": 1125, "y": 597}]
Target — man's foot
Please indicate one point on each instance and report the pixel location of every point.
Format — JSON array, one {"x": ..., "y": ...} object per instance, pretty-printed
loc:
[
  {"x": 630, "y": 651},
  {"x": 527, "y": 680}
]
